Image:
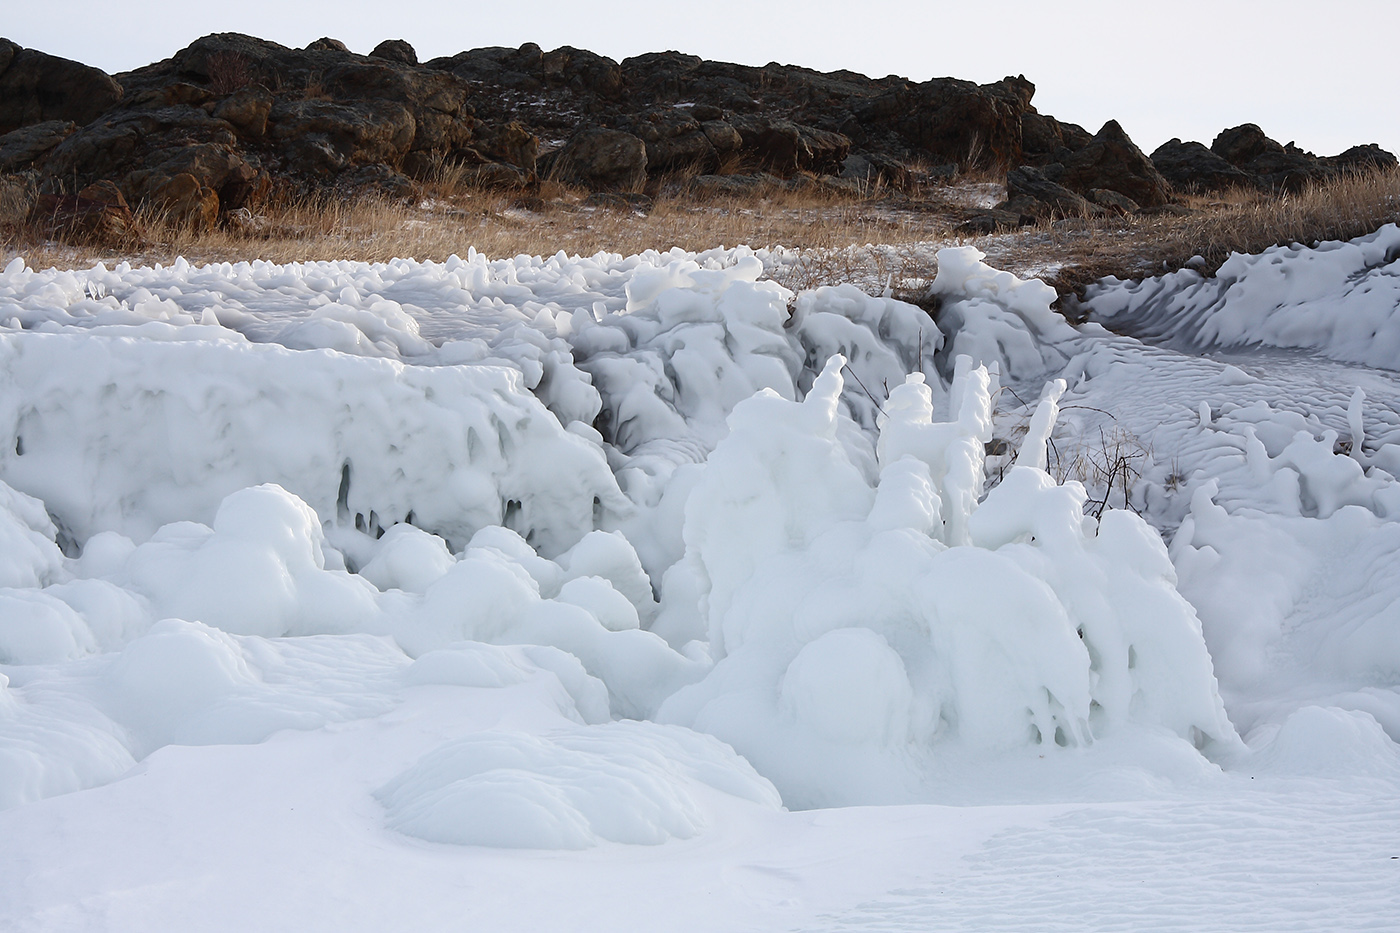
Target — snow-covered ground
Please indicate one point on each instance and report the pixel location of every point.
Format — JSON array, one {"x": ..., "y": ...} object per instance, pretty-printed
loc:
[{"x": 638, "y": 592}]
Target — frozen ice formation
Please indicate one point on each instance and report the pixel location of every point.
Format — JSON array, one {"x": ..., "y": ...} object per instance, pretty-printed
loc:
[
  {"x": 575, "y": 531},
  {"x": 854, "y": 624}
]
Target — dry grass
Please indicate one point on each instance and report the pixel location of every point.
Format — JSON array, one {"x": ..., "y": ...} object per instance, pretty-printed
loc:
[
  {"x": 830, "y": 230},
  {"x": 1244, "y": 221},
  {"x": 449, "y": 218}
]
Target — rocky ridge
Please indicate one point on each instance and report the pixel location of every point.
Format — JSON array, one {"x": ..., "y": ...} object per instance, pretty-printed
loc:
[{"x": 232, "y": 119}]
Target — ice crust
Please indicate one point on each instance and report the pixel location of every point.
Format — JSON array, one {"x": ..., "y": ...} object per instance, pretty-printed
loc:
[
  {"x": 1341, "y": 299},
  {"x": 814, "y": 529}
]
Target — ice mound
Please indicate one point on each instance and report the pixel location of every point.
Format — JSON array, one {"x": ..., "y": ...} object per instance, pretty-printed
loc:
[
  {"x": 857, "y": 630},
  {"x": 628, "y": 782},
  {"x": 53, "y": 742},
  {"x": 1326, "y": 741},
  {"x": 1341, "y": 298},
  {"x": 995, "y": 317},
  {"x": 160, "y": 432},
  {"x": 186, "y": 683}
]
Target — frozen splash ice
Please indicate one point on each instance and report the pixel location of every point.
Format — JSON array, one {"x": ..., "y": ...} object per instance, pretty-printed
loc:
[{"x": 860, "y": 631}]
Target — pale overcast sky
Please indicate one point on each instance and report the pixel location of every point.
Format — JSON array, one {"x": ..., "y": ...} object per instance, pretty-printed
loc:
[{"x": 1321, "y": 74}]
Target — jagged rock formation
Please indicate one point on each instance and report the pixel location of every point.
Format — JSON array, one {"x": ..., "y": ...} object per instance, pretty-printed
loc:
[{"x": 227, "y": 120}]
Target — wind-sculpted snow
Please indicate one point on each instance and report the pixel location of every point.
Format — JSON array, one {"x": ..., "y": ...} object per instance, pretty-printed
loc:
[
  {"x": 626, "y": 782},
  {"x": 428, "y": 531},
  {"x": 1339, "y": 298}
]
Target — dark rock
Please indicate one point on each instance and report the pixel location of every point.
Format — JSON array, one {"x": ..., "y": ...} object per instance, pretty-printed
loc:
[
  {"x": 1242, "y": 144},
  {"x": 1030, "y": 193},
  {"x": 141, "y": 149},
  {"x": 1043, "y": 138},
  {"x": 599, "y": 158},
  {"x": 722, "y": 136},
  {"x": 1362, "y": 158},
  {"x": 954, "y": 121},
  {"x": 987, "y": 222},
  {"x": 246, "y": 111},
  {"x": 37, "y": 88},
  {"x": 1111, "y": 161},
  {"x": 1112, "y": 200},
  {"x": 395, "y": 50},
  {"x": 675, "y": 140},
  {"x": 1273, "y": 167},
  {"x": 1191, "y": 166},
  {"x": 509, "y": 142},
  {"x": 784, "y": 147},
  {"x": 327, "y": 44},
  {"x": 22, "y": 147},
  {"x": 581, "y": 70}
]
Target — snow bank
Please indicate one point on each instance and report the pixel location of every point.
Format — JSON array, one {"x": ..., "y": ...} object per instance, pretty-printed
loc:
[
  {"x": 628, "y": 782},
  {"x": 1341, "y": 298}
]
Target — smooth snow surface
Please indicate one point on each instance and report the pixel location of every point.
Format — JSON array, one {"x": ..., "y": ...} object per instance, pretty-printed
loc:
[{"x": 595, "y": 593}]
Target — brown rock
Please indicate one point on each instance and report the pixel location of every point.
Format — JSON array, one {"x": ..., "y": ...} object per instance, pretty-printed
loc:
[
  {"x": 603, "y": 159},
  {"x": 96, "y": 214},
  {"x": 395, "y": 50},
  {"x": 17, "y": 196},
  {"x": 35, "y": 88},
  {"x": 722, "y": 136},
  {"x": 325, "y": 136},
  {"x": 246, "y": 111},
  {"x": 508, "y": 142},
  {"x": 187, "y": 203},
  {"x": 327, "y": 44}
]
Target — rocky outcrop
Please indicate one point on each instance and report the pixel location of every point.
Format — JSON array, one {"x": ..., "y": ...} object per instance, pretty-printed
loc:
[
  {"x": 1244, "y": 156},
  {"x": 226, "y": 120},
  {"x": 1271, "y": 165},
  {"x": 1045, "y": 139}
]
